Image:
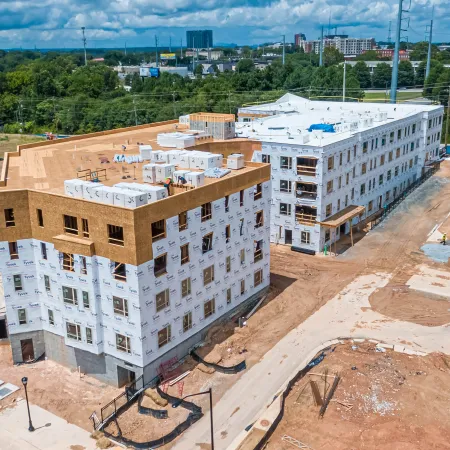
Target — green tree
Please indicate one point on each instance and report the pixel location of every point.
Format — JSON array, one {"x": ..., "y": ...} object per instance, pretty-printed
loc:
[
  {"x": 245, "y": 66},
  {"x": 405, "y": 74},
  {"x": 382, "y": 74},
  {"x": 362, "y": 73},
  {"x": 332, "y": 56},
  {"x": 420, "y": 51}
]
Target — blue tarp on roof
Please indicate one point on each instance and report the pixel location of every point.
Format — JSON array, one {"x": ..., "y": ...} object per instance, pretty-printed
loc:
[{"x": 325, "y": 127}]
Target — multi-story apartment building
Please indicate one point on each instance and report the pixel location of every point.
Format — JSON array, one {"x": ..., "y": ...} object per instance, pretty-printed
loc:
[
  {"x": 336, "y": 164},
  {"x": 98, "y": 282},
  {"x": 346, "y": 45}
]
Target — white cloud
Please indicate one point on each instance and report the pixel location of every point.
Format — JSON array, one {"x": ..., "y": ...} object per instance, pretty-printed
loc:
[{"x": 52, "y": 22}]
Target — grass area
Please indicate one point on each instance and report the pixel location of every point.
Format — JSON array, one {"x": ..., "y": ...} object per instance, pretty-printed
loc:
[
  {"x": 381, "y": 96},
  {"x": 9, "y": 142}
]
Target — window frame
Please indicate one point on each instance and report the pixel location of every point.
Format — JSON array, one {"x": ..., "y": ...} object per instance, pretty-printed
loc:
[
  {"x": 156, "y": 228},
  {"x": 163, "y": 301},
  {"x": 73, "y": 299},
  {"x": 10, "y": 220},
  {"x": 70, "y": 224},
  {"x": 209, "y": 241},
  {"x": 209, "y": 308},
  {"x": 123, "y": 348},
  {"x": 182, "y": 221},
  {"x": 76, "y": 336},
  {"x": 18, "y": 286},
  {"x": 184, "y": 248},
  {"x": 258, "y": 280},
  {"x": 163, "y": 270},
  {"x": 24, "y": 320},
  {"x": 206, "y": 212},
  {"x": 167, "y": 338},
  {"x": 208, "y": 275},
  {"x": 186, "y": 288},
  {"x": 187, "y": 324},
  {"x": 120, "y": 306}
]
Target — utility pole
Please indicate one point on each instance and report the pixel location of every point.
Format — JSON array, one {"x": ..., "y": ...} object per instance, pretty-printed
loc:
[
  {"x": 135, "y": 110},
  {"x": 170, "y": 44},
  {"x": 430, "y": 40},
  {"x": 448, "y": 120},
  {"x": 389, "y": 39},
  {"x": 284, "y": 49},
  {"x": 394, "y": 79},
  {"x": 181, "y": 48},
  {"x": 156, "y": 46},
  {"x": 343, "y": 86},
  {"x": 193, "y": 54},
  {"x": 321, "y": 49},
  {"x": 84, "y": 46},
  {"x": 125, "y": 48}
]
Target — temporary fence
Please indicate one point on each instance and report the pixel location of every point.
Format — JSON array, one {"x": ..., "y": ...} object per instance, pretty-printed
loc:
[
  {"x": 233, "y": 369},
  {"x": 414, "y": 185},
  {"x": 156, "y": 413},
  {"x": 194, "y": 415}
]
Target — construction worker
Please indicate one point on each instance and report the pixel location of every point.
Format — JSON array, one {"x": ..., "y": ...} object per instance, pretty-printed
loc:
[{"x": 444, "y": 238}]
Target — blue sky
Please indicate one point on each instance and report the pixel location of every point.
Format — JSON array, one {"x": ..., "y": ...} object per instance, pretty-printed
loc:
[{"x": 109, "y": 23}]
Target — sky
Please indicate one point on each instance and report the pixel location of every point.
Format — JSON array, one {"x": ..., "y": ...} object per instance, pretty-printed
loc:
[{"x": 112, "y": 23}]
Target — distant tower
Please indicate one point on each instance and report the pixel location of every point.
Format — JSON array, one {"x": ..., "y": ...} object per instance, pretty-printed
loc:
[{"x": 84, "y": 46}]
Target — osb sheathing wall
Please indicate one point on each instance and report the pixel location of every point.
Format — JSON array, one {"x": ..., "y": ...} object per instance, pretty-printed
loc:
[{"x": 135, "y": 222}]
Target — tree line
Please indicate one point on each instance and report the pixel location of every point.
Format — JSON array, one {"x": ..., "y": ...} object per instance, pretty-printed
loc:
[{"x": 57, "y": 92}]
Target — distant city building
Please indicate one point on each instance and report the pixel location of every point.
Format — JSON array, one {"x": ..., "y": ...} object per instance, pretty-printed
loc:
[
  {"x": 298, "y": 38},
  {"x": 199, "y": 39},
  {"x": 346, "y": 45},
  {"x": 212, "y": 54},
  {"x": 389, "y": 53},
  {"x": 443, "y": 47}
]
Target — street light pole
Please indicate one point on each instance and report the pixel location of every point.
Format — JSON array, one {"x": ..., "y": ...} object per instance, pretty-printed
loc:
[
  {"x": 209, "y": 392},
  {"x": 25, "y": 382}
]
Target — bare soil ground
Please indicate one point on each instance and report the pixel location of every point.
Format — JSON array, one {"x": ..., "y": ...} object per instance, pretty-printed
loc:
[
  {"x": 398, "y": 402},
  {"x": 56, "y": 389}
]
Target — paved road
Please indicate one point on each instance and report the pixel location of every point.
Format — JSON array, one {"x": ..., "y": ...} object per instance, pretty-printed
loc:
[
  {"x": 52, "y": 432},
  {"x": 347, "y": 314}
]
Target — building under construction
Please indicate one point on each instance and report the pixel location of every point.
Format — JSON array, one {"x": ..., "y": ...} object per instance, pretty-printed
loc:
[{"x": 118, "y": 253}]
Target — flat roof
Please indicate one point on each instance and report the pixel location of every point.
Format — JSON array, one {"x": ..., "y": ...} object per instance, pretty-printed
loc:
[
  {"x": 290, "y": 117},
  {"x": 45, "y": 168}
]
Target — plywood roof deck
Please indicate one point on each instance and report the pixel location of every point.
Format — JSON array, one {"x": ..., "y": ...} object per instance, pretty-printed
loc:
[{"x": 45, "y": 168}]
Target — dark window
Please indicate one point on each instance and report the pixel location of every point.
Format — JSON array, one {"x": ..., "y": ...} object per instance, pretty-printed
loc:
[
  {"x": 17, "y": 282},
  {"x": 227, "y": 203},
  {"x": 13, "y": 251},
  {"x": 184, "y": 253},
  {"x": 241, "y": 198},
  {"x": 182, "y": 221},
  {"x": 83, "y": 269},
  {"x": 40, "y": 217},
  {"x": 207, "y": 242},
  {"x": 44, "y": 250},
  {"x": 158, "y": 230},
  {"x": 67, "y": 262},
  {"x": 9, "y": 218},
  {"x": 187, "y": 321},
  {"x": 85, "y": 227},
  {"x": 206, "y": 212},
  {"x": 115, "y": 235},
  {"x": 47, "y": 283},
  {"x": 258, "y": 192},
  {"x": 160, "y": 265},
  {"x": 70, "y": 224},
  {"x": 120, "y": 271}
]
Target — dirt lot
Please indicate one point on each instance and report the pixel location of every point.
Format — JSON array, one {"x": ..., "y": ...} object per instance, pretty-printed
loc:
[
  {"x": 56, "y": 389},
  {"x": 397, "y": 401}
]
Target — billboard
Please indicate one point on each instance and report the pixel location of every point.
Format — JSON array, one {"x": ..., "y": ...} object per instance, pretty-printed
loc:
[
  {"x": 168, "y": 56},
  {"x": 149, "y": 72}
]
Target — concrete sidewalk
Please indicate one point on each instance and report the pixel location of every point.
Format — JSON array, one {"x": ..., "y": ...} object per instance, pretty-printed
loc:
[
  {"x": 348, "y": 314},
  {"x": 52, "y": 432}
]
